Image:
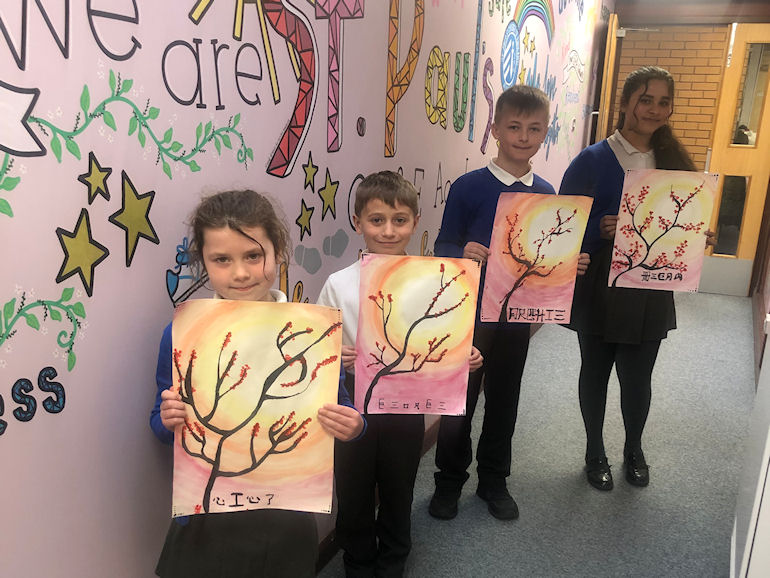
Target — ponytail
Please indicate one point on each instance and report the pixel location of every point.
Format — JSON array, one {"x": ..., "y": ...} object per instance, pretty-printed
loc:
[{"x": 669, "y": 152}]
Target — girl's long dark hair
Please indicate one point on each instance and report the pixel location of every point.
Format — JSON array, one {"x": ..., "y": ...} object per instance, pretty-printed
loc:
[{"x": 669, "y": 152}]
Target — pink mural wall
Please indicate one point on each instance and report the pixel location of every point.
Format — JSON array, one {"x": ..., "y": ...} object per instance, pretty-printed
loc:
[{"x": 116, "y": 116}]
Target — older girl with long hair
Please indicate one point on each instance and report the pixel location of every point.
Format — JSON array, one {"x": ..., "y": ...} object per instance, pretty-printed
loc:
[{"x": 621, "y": 326}]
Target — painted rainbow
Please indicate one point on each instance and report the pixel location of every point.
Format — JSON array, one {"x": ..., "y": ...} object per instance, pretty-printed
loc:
[{"x": 541, "y": 9}]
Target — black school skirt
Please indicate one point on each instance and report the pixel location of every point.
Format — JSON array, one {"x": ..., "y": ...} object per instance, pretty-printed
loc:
[
  {"x": 619, "y": 314},
  {"x": 253, "y": 543}
]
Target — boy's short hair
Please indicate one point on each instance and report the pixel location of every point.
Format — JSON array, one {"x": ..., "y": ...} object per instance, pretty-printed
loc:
[
  {"x": 389, "y": 187},
  {"x": 522, "y": 99}
]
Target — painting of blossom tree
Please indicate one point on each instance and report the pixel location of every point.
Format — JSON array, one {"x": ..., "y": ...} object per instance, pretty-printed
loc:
[
  {"x": 533, "y": 257},
  {"x": 659, "y": 239},
  {"x": 252, "y": 376},
  {"x": 415, "y": 333}
]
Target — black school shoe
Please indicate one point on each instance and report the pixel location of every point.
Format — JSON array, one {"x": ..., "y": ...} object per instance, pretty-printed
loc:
[
  {"x": 443, "y": 505},
  {"x": 637, "y": 470},
  {"x": 499, "y": 503},
  {"x": 598, "y": 474}
]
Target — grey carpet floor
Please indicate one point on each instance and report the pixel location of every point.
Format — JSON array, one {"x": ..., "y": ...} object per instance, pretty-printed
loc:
[{"x": 680, "y": 525}]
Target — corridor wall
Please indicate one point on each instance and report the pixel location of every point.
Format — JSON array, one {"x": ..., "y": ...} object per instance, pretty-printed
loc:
[{"x": 115, "y": 117}]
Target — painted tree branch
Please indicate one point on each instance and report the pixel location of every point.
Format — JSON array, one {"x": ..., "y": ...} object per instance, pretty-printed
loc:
[
  {"x": 284, "y": 435},
  {"x": 168, "y": 149},
  {"x": 531, "y": 266},
  {"x": 12, "y": 312},
  {"x": 283, "y": 431},
  {"x": 434, "y": 354},
  {"x": 640, "y": 255},
  {"x": 7, "y": 183}
]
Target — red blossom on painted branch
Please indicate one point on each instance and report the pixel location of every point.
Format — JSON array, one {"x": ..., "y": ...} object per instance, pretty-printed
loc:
[
  {"x": 641, "y": 254},
  {"x": 205, "y": 436},
  {"x": 177, "y": 359},
  {"x": 529, "y": 263},
  {"x": 434, "y": 353}
]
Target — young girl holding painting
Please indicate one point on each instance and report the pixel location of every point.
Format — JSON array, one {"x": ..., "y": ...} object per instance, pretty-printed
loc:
[
  {"x": 239, "y": 241},
  {"x": 621, "y": 326}
]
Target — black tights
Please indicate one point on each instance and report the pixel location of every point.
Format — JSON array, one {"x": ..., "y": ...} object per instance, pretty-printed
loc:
[{"x": 634, "y": 364}]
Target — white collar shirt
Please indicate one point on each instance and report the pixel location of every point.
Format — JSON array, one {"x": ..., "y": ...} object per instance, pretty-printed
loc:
[
  {"x": 628, "y": 156},
  {"x": 507, "y": 178}
]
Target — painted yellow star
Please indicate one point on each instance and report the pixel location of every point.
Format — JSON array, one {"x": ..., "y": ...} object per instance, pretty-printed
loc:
[
  {"x": 522, "y": 75},
  {"x": 134, "y": 217},
  {"x": 81, "y": 253},
  {"x": 310, "y": 171},
  {"x": 328, "y": 195},
  {"x": 95, "y": 179},
  {"x": 303, "y": 221},
  {"x": 532, "y": 45},
  {"x": 525, "y": 40}
]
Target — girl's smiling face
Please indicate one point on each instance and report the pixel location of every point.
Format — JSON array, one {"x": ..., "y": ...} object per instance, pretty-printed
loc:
[
  {"x": 648, "y": 108},
  {"x": 240, "y": 266}
]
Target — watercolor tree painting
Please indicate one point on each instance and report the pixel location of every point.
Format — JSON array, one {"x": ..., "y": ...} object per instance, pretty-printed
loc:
[
  {"x": 659, "y": 239},
  {"x": 533, "y": 257},
  {"x": 415, "y": 333},
  {"x": 252, "y": 376}
]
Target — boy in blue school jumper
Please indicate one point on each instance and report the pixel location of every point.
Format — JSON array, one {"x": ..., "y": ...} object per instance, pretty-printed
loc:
[{"x": 520, "y": 125}]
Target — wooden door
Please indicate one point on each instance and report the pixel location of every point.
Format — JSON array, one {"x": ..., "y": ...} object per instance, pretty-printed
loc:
[{"x": 741, "y": 155}]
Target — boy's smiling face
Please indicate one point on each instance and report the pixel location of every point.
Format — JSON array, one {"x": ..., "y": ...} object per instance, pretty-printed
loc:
[
  {"x": 386, "y": 230},
  {"x": 520, "y": 137}
]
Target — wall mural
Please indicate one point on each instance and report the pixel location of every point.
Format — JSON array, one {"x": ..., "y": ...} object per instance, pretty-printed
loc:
[{"x": 115, "y": 117}]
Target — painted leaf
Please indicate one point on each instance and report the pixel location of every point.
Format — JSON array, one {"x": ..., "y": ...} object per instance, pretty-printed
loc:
[
  {"x": 207, "y": 130},
  {"x": 55, "y": 315},
  {"x": 56, "y": 147},
  {"x": 9, "y": 183},
  {"x": 198, "y": 132},
  {"x": 218, "y": 145},
  {"x": 167, "y": 169},
  {"x": 176, "y": 146},
  {"x": 153, "y": 112},
  {"x": 109, "y": 120},
  {"x": 126, "y": 86},
  {"x": 250, "y": 153},
  {"x": 112, "y": 81},
  {"x": 236, "y": 119},
  {"x": 9, "y": 308},
  {"x": 66, "y": 295},
  {"x": 226, "y": 141},
  {"x": 141, "y": 136},
  {"x": 73, "y": 148},
  {"x": 79, "y": 310},
  {"x": 5, "y": 208},
  {"x": 85, "y": 99},
  {"x": 32, "y": 321},
  {"x": 70, "y": 361},
  {"x": 132, "y": 125},
  {"x": 167, "y": 136},
  {"x": 194, "y": 166}
]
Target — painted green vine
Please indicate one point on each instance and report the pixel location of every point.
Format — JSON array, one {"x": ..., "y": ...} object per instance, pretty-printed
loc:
[
  {"x": 139, "y": 123},
  {"x": 13, "y": 312},
  {"x": 7, "y": 183}
]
